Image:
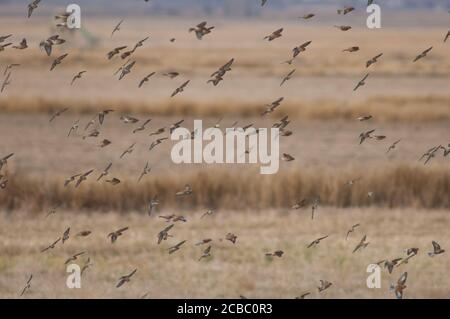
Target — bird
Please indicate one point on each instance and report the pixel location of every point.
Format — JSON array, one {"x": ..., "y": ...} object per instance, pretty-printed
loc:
[
  {"x": 274, "y": 35},
  {"x": 351, "y": 49},
  {"x": 125, "y": 278},
  {"x": 140, "y": 43},
  {"x": 146, "y": 79},
  {"x": 307, "y": 16},
  {"x": 58, "y": 61},
  {"x": 300, "y": 204},
  {"x": 32, "y": 6},
  {"x": 391, "y": 147},
  {"x": 83, "y": 177},
  {"x": 277, "y": 253},
  {"x": 152, "y": 204},
  {"x": 86, "y": 265},
  {"x": 102, "y": 114},
  {"x": 117, "y": 27},
  {"x": 9, "y": 67},
  {"x": 145, "y": 171},
  {"x": 272, "y": 106},
  {"x": 303, "y": 296},
  {"x": 105, "y": 143},
  {"x": 365, "y": 135},
  {"x": 164, "y": 234},
  {"x": 203, "y": 241},
  {"x": 158, "y": 131},
  {"x": 373, "y": 60},
  {"x": 287, "y": 77},
  {"x": 71, "y": 179},
  {"x": 115, "y": 234},
  {"x": 142, "y": 127},
  {"x": 74, "y": 127},
  {"x": 345, "y": 10},
  {"x": 361, "y": 245},
  {"x": 390, "y": 264},
  {"x": 180, "y": 88},
  {"x": 66, "y": 235},
  {"x": 22, "y": 45},
  {"x": 126, "y": 69},
  {"x": 231, "y": 237},
  {"x": 83, "y": 233},
  {"x": 362, "y": 82},
  {"x": 157, "y": 142},
  {"x": 351, "y": 230},
  {"x": 201, "y": 30},
  {"x": 6, "y": 82},
  {"x": 186, "y": 192},
  {"x": 316, "y": 241},
  {"x": 115, "y": 51},
  {"x": 447, "y": 36},
  {"x": 51, "y": 246},
  {"x": 74, "y": 257},
  {"x": 58, "y": 113},
  {"x": 400, "y": 286},
  {"x": 287, "y": 157},
  {"x": 171, "y": 74},
  {"x": 209, "y": 212},
  {"x": 129, "y": 150},
  {"x": 412, "y": 251},
  {"x": 174, "y": 126},
  {"x": 206, "y": 253},
  {"x": 423, "y": 54},
  {"x": 324, "y": 285},
  {"x": 437, "y": 250},
  {"x": 105, "y": 172},
  {"x": 343, "y": 27},
  {"x": 364, "y": 118},
  {"x": 27, "y": 285},
  {"x": 176, "y": 247},
  {"x": 301, "y": 48},
  {"x": 113, "y": 181},
  {"x": 77, "y": 76}
]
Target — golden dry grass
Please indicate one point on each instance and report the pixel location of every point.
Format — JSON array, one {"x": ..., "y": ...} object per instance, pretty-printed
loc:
[
  {"x": 392, "y": 185},
  {"x": 233, "y": 270}
]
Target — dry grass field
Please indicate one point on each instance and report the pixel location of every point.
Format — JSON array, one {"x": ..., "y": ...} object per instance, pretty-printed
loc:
[{"x": 410, "y": 201}]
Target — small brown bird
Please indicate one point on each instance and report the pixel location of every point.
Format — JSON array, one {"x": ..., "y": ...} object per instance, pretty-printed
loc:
[
  {"x": 365, "y": 135},
  {"x": 345, "y": 10},
  {"x": 114, "y": 181},
  {"x": 272, "y": 106},
  {"x": 27, "y": 285},
  {"x": 78, "y": 76},
  {"x": 343, "y": 27},
  {"x": 274, "y": 35},
  {"x": 105, "y": 143},
  {"x": 287, "y": 157},
  {"x": 9, "y": 67},
  {"x": 115, "y": 51},
  {"x": 171, "y": 75},
  {"x": 231, "y": 237},
  {"x": 307, "y": 16},
  {"x": 206, "y": 253},
  {"x": 164, "y": 234},
  {"x": 180, "y": 88},
  {"x": 83, "y": 178},
  {"x": 83, "y": 233},
  {"x": 364, "y": 118},
  {"x": 437, "y": 250},
  {"x": 126, "y": 69},
  {"x": 351, "y": 49},
  {"x": 66, "y": 235},
  {"x": 390, "y": 264},
  {"x": 158, "y": 131},
  {"x": 142, "y": 127},
  {"x": 362, "y": 82},
  {"x": 303, "y": 296},
  {"x": 32, "y": 6},
  {"x": 115, "y": 234},
  {"x": 277, "y": 253},
  {"x": 125, "y": 278},
  {"x": 324, "y": 285},
  {"x": 175, "y": 125},
  {"x": 447, "y": 36},
  {"x": 152, "y": 204},
  {"x": 74, "y": 257},
  {"x": 176, "y": 247},
  {"x": 6, "y": 82},
  {"x": 70, "y": 179},
  {"x": 373, "y": 60},
  {"x": 57, "y": 113},
  {"x": 412, "y": 251},
  {"x": 145, "y": 171},
  {"x": 201, "y": 30},
  {"x": 187, "y": 191},
  {"x": 301, "y": 48},
  {"x": 209, "y": 212},
  {"x": 316, "y": 241},
  {"x": 361, "y": 245},
  {"x": 400, "y": 286},
  {"x": 146, "y": 79},
  {"x": 423, "y": 54},
  {"x": 116, "y": 28},
  {"x": 58, "y": 61},
  {"x": 157, "y": 142},
  {"x": 129, "y": 150},
  {"x": 287, "y": 77},
  {"x": 52, "y": 245},
  {"x": 203, "y": 241},
  {"x": 391, "y": 147},
  {"x": 351, "y": 230}
]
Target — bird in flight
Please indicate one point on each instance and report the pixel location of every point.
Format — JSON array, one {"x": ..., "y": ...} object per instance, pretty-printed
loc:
[
  {"x": 400, "y": 286},
  {"x": 105, "y": 172},
  {"x": 164, "y": 234},
  {"x": 365, "y": 135},
  {"x": 343, "y": 27},
  {"x": 129, "y": 150},
  {"x": 125, "y": 278},
  {"x": 390, "y": 264},
  {"x": 274, "y": 35},
  {"x": 277, "y": 253},
  {"x": 437, "y": 250},
  {"x": 423, "y": 54},
  {"x": 22, "y": 45},
  {"x": 186, "y": 192},
  {"x": 77, "y": 76},
  {"x": 117, "y": 27},
  {"x": 83, "y": 177},
  {"x": 152, "y": 204},
  {"x": 373, "y": 60},
  {"x": 316, "y": 241},
  {"x": 201, "y": 30},
  {"x": 157, "y": 142},
  {"x": 361, "y": 245},
  {"x": 324, "y": 285},
  {"x": 287, "y": 77},
  {"x": 142, "y": 127},
  {"x": 345, "y": 10},
  {"x": 116, "y": 234},
  {"x": 180, "y": 88},
  {"x": 391, "y": 147},
  {"x": 146, "y": 79},
  {"x": 362, "y": 82},
  {"x": 307, "y": 16},
  {"x": 301, "y": 48},
  {"x": 447, "y": 36},
  {"x": 58, "y": 61},
  {"x": 9, "y": 67},
  {"x": 32, "y": 6},
  {"x": 206, "y": 253},
  {"x": 176, "y": 247},
  {"x": 27, "y": 285},
  {"x": 272, "y": 106},
  {"x": 58, "y": 113},
  {"x": 145, "y": 171},
  {"x": 351, "y": 230},
  {"x": 351, "y": 49},
  {"x": 51, "y": 246},
  {"x": 6, "y": 82},
  {"x": 74, "y": 257},
  {"x": 364, "y": 118}
]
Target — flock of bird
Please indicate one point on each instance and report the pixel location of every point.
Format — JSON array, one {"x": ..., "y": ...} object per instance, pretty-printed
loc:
[{"x": 201, "y": 30}]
